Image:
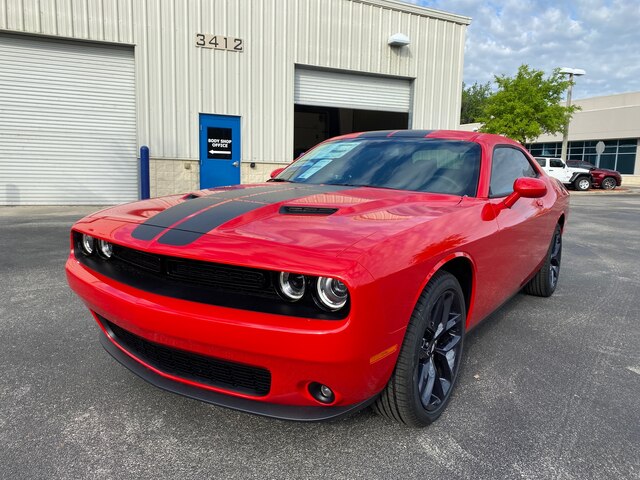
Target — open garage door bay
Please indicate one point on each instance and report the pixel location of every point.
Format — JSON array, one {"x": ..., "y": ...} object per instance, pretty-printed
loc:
[
  {"x": 330, "y": 103},
  {"x": 67, "y": 122}
]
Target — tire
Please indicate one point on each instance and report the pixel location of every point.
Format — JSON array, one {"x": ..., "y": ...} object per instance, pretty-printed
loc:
[
  {"x": 582, "y": 184},
  {"x": 608, "y": 183},
  {"x": 546, "y": 279},
  {"x": 429, "y": 360}
]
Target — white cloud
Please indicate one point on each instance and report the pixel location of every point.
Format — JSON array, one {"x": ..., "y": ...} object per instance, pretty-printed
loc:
[{"x": 599, "y": 36}]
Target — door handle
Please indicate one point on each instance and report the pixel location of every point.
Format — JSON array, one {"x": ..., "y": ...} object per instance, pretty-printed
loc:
[{"x": 236, "y": 163}]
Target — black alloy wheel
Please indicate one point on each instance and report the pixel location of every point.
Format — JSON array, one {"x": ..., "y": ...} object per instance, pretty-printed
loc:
[
  {"x": 608, "y": 183},
  {"x": 554, "y": 259},
  {"x": 429, "y": 360},
  {"x": 546, "y": 279},
  {"x": 439, "y": 354}
]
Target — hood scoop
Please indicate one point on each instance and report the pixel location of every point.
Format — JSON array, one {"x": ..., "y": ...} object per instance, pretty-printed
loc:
[
  {"x": 300, "y": 210},
  {"x": 190, "y": 196}
]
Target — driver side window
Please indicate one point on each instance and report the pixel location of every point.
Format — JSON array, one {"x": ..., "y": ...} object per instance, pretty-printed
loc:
[{"x": 507, "y": 165}]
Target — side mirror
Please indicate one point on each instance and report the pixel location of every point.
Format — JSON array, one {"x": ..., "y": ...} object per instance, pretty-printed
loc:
[
  {"x": 526, "y": 187},
  {"x": 276, "y": 172}
]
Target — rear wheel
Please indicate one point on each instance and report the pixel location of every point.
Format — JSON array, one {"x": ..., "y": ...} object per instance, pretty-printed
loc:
[
  {"x": 546, "y": 280},
  {"x": 429, "y": 360},
  {"x": 582, "y": 184},
  {"x": 608, "y": 183}
]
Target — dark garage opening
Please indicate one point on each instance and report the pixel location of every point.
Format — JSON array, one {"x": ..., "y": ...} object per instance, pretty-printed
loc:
[{"x": 312, "y": 125}]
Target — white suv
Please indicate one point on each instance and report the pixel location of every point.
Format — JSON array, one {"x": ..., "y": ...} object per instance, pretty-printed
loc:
[{"x": 578, "y": 178}]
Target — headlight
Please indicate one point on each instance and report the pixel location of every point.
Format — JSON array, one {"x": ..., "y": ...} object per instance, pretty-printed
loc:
[
  {"x": 88, "y": 244},
  {"x": 105, "y": 249},
  {"x": 291, "y": 286},
  {"x": 332, "y": 293}
]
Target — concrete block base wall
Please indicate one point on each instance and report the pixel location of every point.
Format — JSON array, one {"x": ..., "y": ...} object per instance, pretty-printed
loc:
[
  {"x": 168, "y": 177},
  {"x": 260, "y": 173},
  {"x": 631, "y": 180},
  {"x": 173, "y": 176}
]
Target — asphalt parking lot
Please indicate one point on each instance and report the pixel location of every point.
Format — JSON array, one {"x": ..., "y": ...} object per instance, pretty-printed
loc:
[{"x": 550, "y": 388}]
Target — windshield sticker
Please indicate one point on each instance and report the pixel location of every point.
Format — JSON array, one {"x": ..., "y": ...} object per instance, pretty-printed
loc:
[
  {"x": 316, "y": 167},
  {"x": 337, "y": 150}
]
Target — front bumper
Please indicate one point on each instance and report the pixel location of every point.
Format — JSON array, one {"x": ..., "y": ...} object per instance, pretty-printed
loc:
[
  {"x": 295, "y": 351},
  {"x": 283, "y": 412}
]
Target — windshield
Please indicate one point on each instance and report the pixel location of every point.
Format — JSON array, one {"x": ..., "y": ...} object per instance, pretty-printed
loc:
[{"x": 421, "y": 165}]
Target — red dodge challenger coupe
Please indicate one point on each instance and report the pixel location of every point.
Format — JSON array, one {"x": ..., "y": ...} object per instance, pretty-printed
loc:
[{"x": 349, "y": 278}]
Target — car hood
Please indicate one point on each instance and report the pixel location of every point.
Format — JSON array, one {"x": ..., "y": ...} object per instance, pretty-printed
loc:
[
  {"x": 607, "y": 170},
  {"x": 323, "y": 219}
]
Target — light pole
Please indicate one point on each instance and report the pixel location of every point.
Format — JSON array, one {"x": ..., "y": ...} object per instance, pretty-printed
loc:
[{"x": 572, "y": 72}]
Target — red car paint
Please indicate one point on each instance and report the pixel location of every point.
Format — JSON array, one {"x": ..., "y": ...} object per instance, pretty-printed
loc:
[{"x": 383, "y": 244}]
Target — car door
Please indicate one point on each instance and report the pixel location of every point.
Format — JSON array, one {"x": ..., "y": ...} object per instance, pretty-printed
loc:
[{"x": 524, "y": 231}]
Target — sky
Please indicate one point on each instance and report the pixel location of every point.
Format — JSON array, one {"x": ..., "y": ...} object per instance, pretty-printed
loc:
[{"x": 599, "y": 36}]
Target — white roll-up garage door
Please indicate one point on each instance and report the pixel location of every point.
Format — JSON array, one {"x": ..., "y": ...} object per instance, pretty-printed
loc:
[
  {"x": 67, "y": 122},
  {"x": 351, "y": 90}
]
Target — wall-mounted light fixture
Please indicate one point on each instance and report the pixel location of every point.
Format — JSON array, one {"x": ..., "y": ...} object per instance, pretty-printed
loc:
[{"x": 399, "y": 40}]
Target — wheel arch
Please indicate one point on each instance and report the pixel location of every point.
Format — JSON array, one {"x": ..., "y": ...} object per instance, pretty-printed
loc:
[
  {"x": 463, "y": 268},
  {"x": 561, "y": 221}
]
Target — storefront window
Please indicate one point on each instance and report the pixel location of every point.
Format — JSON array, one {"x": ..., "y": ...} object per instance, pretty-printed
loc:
[{"x": 618, "y": 155}]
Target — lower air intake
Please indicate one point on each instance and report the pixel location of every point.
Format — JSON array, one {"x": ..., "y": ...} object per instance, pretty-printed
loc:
[{"x": 192, "y": 366}]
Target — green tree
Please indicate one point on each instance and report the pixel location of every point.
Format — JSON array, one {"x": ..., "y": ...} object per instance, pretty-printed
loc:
[
  {"x": 527, "y": 105},
  {"x": 474, "y": 101}
]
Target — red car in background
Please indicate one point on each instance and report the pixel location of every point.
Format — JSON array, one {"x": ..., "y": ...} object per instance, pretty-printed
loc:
[
  {"x": 602, "y": 177},
  {"x": 351, "y": 278}
]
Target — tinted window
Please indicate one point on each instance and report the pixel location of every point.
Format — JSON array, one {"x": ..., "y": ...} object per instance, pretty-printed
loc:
[
  {"x": 508, "y": 164},
  {"x": 421, "y": 165},
  {"x": 541, "y": 161},
  {"x": 555, "y": 163}
]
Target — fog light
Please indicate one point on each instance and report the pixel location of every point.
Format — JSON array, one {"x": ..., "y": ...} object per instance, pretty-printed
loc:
[
  {"x": 88, "y": 244},
  {"x": 105, "y": 249},
  {"x": 321, "y": 392},
  {"x": 326, "y": 391}
]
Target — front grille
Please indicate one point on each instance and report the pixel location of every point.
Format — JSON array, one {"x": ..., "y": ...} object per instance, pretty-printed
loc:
[
  {"x": 218, "y": 275},
  {"x": 138, "y": 258},
  {"x": 192, "y": 366},
  {"x": 197, "y": 272},
  {"x": 211, "y": 283}
]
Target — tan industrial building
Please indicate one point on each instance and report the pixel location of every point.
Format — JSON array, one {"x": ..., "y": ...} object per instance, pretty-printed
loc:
[{"x": 220, "y": 91}]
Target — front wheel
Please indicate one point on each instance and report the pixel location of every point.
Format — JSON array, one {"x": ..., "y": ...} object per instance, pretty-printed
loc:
[
  {"x": 546, "y": 280},
  {"x": 608, "y": 183},
  {"x": 582, "y": 184},
  {"x": 429, "y": 360}
]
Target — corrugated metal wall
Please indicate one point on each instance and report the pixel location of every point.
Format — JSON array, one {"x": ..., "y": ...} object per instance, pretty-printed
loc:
[
  {"x": 67, "y": 122},
  {"x": 177, "y": 80}
]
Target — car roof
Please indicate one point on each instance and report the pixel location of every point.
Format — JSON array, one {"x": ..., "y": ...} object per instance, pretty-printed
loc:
[{"x": 486, "y": 138}]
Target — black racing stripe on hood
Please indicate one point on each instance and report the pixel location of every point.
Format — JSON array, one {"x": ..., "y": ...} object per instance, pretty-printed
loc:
[
  {"x": 163, "y": 220},
  {"x": 198, "y": 225}
]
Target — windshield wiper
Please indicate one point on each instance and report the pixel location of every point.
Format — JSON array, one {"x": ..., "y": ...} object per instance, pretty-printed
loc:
[
  {"x": 361, "y": 185},
  {"x": 279, "y": 180}
]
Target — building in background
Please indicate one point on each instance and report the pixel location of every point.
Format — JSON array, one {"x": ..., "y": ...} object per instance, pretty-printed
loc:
[
  {"x": 612, "y": 119},
  {"x": 221, "y": 91}
]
